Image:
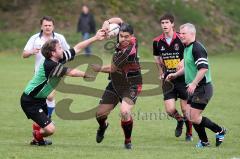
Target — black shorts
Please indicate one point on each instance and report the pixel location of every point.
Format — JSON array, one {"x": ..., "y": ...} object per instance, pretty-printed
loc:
[
  {"x": 35, "y": 109},
  {"x": 115, "y": 94},
  {"x": 201, "y": 96},
  {"x": 174, "y": 90}
]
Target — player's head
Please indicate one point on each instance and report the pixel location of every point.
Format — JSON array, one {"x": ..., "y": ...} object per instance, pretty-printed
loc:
[
  {"x": 52, "y": 48},
  {"x": 85, "y": 9},
  {"x": 187, "y": 33},
  {"x": 47, "y": 25},
  {"x": 125, "y": 34},
  {"x": 167, "y": 22}
]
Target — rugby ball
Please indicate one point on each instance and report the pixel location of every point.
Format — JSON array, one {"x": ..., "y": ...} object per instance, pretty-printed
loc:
[{"x": 113, "y": 30}]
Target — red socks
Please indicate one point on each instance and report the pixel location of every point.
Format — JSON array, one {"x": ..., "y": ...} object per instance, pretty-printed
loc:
[
  {"x": 127, "y": 129},
  {"x": 36, "y": 127},
  {"x": 36, "y": 132}
]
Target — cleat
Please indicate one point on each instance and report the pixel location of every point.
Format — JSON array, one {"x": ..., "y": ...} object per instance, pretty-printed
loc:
[
  {"x": 201, "y": 144},
  {"x": 188, "y": 138},
  {"x": 128, "y": 146},
  {"x": 220, "y": 136},
  {"x": 178, "y": 131},
  {"x": 34, "y": 142},
  {"x": 100, "y": 133},
  {"x": 41, "y": 143}
]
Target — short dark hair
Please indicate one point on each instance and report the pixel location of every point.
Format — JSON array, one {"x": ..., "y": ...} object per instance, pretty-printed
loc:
[
  {"x": 48, "y": 47},
  {"x": 167, "y": 16},
  {"x": 47, "y": 18},
  {"x": 125, "y": 27}
]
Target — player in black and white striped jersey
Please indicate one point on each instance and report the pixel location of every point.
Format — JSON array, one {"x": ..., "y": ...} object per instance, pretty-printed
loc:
[
  {"x": 34, "y": 45},
  {"x": 33, "y": 99}
]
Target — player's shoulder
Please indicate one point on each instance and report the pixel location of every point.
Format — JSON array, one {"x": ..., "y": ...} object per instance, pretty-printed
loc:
[
  {"x": 177, "y": 34},
  {"x": 158, "y": 38},
  {"x": 59, "y": 36},
  {"x": 35, "y": 36},
  {"x": 49, "y": 64},
  {"x": 198, "y": 48},
  {"x": 198, "y": 45},
  {"x": 133, "y": 39}
]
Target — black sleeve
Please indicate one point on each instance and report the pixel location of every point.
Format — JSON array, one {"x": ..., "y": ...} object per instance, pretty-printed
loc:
[
  {"x": 200, "y": 56},
  {"x": 68, "y": 55},
  {"x": 155, "y": 49},
  {"x": 54, "y": 69},
  {"x": 181, "y": 50},
  {"x": 92, "y": 25},
  {"x": 79, "y": 24}
]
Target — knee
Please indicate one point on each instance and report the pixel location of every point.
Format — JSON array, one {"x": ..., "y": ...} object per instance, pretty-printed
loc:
[
  {"x": 125, "y": 115},
  {"x": 100, "y": 117},
  {"x": 50, "y": 130},
  {"x": 170, "y": 111},
  {"x": 184, "y": 111},
  {"x": 194, "y": 120},
  {"x": 186, "y": 114},
  {"x": 101, "y": 114},
  {"x": 103, "y": 111}
]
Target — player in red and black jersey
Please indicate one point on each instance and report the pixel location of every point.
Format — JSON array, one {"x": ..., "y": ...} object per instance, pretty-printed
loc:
[
  {"x": 124, "y": 86},
  {"x": 168, "y": 53}
]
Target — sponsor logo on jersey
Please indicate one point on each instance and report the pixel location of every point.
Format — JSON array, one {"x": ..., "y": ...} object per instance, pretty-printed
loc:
[
  {"x": 176, "y": 47},
  {"x": 162, "y": 49}
]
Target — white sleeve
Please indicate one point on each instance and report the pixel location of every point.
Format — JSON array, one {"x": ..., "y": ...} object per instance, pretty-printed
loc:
[
  {"x": 64, "y": 43},
  {"x": 30, "y": 44}
]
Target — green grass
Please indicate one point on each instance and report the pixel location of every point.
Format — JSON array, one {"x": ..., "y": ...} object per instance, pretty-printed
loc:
[{"x": 151, "y": 138}]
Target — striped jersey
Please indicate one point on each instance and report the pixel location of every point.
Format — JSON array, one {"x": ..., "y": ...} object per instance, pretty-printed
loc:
[
  {"x": 127, "y": 62},
  {"x": 171, "y": 53},
  {"x": 48, "y": 76}
]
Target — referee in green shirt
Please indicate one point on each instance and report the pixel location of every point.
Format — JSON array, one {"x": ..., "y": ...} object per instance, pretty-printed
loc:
[{"x": 199, "y": 85}]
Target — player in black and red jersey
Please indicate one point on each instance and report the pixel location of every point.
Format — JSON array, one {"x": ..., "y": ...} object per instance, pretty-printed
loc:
[
  {"x": 168, "y": 53},
  {"x": 125, "y": 83}
]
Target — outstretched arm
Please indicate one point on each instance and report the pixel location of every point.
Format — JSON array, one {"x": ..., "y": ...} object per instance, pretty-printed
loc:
[
  {"x": 100, "y": 35},
  {"x": 105, "y": 69},
  {"x": 77, "y": 73}
]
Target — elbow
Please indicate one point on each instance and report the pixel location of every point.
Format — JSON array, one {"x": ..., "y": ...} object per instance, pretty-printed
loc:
[
  {"x": 77, "y": 49},
  {"x": 72, "y": 73},
  {"x": 203, "y": 70},
  {"x": 24, "y": 56},
  {"x": 206, "y": 70},
  {"x": 112, "y": 69}
]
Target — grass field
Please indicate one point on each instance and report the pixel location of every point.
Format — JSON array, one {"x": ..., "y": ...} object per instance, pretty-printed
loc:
[{"x": 152, "y": 138}]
